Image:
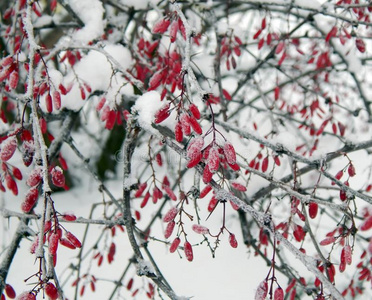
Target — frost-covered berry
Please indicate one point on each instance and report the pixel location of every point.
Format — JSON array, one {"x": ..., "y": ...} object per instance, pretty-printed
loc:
[
  {"x": 8, "y": 148},
  {"x": 58, "y": 178},
  {"x": 170, "y": 215},
  {"x": 188, "y": 251}
]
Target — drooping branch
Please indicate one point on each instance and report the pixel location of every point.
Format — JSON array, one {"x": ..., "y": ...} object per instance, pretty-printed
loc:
[
  {"x": 128, "y": 148},
  {"x": 264, "y": 220},
  {"x": 318, "y": 162}
]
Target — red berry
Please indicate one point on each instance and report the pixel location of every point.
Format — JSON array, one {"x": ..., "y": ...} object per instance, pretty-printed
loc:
[
  {"x": 195, "y": 111},
  {"x": 226, "y": 95},
  {"x": 57, "y": 100},
  {"x": 53, "y": 5},
  {"x": 8, "y": 148},
  {"x": 58, "y": 178},
  {"x": 188, "y": 251},
  {"x": 200, "y": 229},
  {"x": 170, "y": 193},
  {"x": 141, "y": 188},
  {"x": 174, "y": 245},
  {"x": 279, "y": 294},
  {"x": 361, "y": 46},
  {"x": 34, "y": 178},
  {"x": 351, "y": 170},
  {"x": 263, "y": 23},
  {"x": 348, "y": 255},
  {"x": 178, "y": 132},
  {"x": 13, "y": 80},
  {"x": 313, "y": 210},
  {"x": 162, "y": 114},
  {"x": 339, "y": 174},
  {"x": 232, "y": 240},
  {"x": 111, "y": 254},
  {"x": 173, "y": 31},
  {"x": 63, "y": 89},
  {"x": 327, "y": 241},
  {"x": 195, "y": 125},
  {"x": 51, "y": 291},
  {"x": 170, "y": 215},
  {"x": 73, "y": 239},
  {"x": 279, "y": 47},
  {"x": 194, "y": 151},
  {"x": 229, "y": 152},
  {"x": 82, "y": 93},
  {"x": 47, "y": 226},
  {"x": 207, "y": 174},
  {"x": 49, "y": 103},
  {"x": 212, "y": 204},
  {"x": 65, "y": 242},
  {"x": 261, "y": 291},
  {"x": 156, "y": 194},
  {"x": 100, "y": 104},
  {"x": 159, "y": 160},
  {"x": 238, "y": 186},
  {"x": 331, "y": 271},
  {"x": 367, "y": 224},
  {"x": 234, "y": 167},
  {"x": 343, "y": 193},
  {"x": 213, "y": 161},
  {"x": 7, "y": 60},
  {"x": 9, "y": 291},
  {"x": 161, "y": 26},
  {"x": 185, "y": 123},
  {"x": 276, "y": 93},
  {"x": 145, "y": 200},
  {"x": 169, "y": 229},
  {"x": 34, "y": 245},
  {"x": 11, "y": 184},
  {"x": 30, "y": 200},
  {"x": 69, "y": 217},
  {"x": 298, "y": 233},
  {"x": 26, "y": 296},
  {"x": 257, "y": 34},
  {"x": 43, "y": 125},
  {"x": 265, "y": 164},
  {"x": 53, "y": 243},
  {"x": 17, "y": 173},
  {"x": 130, "y": 284},
  {"x": 205, "y": 191},
  {"x": 331, "y": 33},
  {"x": 156, "y": 80}
]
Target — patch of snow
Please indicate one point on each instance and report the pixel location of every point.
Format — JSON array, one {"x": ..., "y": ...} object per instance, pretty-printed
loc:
[
  {"x": 55, "y": 76},
  {"x": 128, "y": 182},
  {"x": 287, "y": 139},
  {"x": 144, "y": 267},
  {"x": 139, "y": 4},
  {"x": 354, "y": 64},
  {"x": 96, "y": 70},
  {"x": 146, "y": 106},
  {"x": 42, "y": 21},
  {"x": 91, "y": 13},
  {"x": 307, "y": 4}
]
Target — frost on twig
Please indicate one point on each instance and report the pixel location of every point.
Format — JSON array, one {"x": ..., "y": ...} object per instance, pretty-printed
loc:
[{"x": 145, "y": 268}]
